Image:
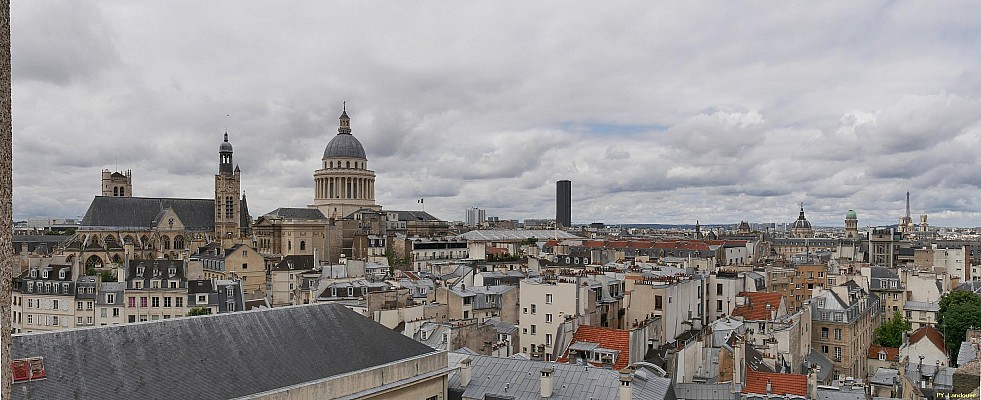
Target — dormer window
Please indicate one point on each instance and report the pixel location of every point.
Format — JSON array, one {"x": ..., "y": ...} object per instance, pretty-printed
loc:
[
  {"x": 61, "y": 274},
  {"x": 172, "y": 271},
  {"x": 230, "y": 291},
  {"x": 33, "y": 273},
  {"x": 882, "y": 356},
  {"x": 140, "y": 270},
  {"x": 44, "y": 274}
]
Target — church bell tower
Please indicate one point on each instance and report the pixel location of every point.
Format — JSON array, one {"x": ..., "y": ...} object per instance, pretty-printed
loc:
[{"x": 228, "y": 189}]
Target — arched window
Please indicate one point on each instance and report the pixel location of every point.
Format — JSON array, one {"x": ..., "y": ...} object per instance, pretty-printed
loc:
[
  {"x": 165, "y": 242},
  {"x": 93, "y": 262},
  {"x": 289, "y": 245},
  {"x": 110, "y": 240},
  {"x": 349, "y": 164},
  {"x": 303, "y": 245},
  {"x": 332, "y": 164},
  {"x": 145, "y": 242},
  {"x": 179, "y": 242},
  {"x": 122, "y": 191},
  {"x": 115, "y": 191}
]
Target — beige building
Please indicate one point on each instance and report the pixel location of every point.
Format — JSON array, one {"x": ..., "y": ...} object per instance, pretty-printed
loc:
[
  {"x": 844, "y": 318},
  {"x": 286, "y": 281},
  {"x": 676, "y": 299},
  {"x": 239, "y": 262},
  {"x": 43, "y": 299},
  {"x": 547, "y": 302},
  {"x": 291, "y": 232},
  {"x": 480, "y": 302},
  {"x": 344, "y": 184}
]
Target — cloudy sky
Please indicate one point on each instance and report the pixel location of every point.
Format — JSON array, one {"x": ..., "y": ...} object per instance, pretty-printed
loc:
[{"x": 720, "y": 111}]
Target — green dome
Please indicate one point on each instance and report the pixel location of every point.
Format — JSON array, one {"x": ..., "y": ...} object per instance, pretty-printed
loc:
[{"x": 851, "y": 215}]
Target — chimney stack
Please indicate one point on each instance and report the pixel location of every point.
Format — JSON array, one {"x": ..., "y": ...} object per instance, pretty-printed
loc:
[
  {"x": 626, "y": 378},
  {"x": 769, "y": 387},
  {"x": 465, "y": 372},
  {"x": 547, "y": 382},
  {"x": 738, "y": 361},
  {"x": 812, "y": 381}
]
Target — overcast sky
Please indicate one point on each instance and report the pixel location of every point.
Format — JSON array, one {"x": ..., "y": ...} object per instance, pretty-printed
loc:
[{"x": 719, "y": 112}]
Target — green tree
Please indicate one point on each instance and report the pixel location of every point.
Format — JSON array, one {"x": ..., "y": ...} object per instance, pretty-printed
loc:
[
  {"x": 959, "y": 311},
  {"x": 107, "y": 276},
  {"x": 198, "y": 311},
  {"x": 890, "y": 334}
]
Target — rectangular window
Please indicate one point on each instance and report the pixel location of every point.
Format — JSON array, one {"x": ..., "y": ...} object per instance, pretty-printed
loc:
[
  {"x": 179, "y": 301},
  {"x": 718, "y": 289},
  {"x": 167, "y": 302},
  {"x": 104, "y": 312},
  {"x": 78, "y": 305},
  {"x": 533, "y": 330},
  {"x": 548, "y": 298},
  {"x": 88, "y": 320},
  {"x": 548, "y": 339},
  {"x": 533, "y": 309},
  {"x": 30, "y": 319},
  {"x": 79, "y": 321},
  {"x": 155, "y": 301},
  {"x": 115, "y": 312},
  {"x": 132, "y": 318},
  {"x": 548, "y": 318},
  {"x": 173, "y": 284},
  {"x": 837, "y": 353},
  {"x": 824, "y": 333},
  {"x": 54, "y": 305},
  {"x": 824, "y": 349},
  {"x": 143, "y": 301},
  {"x": 203, "y": 298},
  {"x": 658, "y": 303},
  {"x": 89, "y": 305},
  {"x": 718, "y": 305},
  {"x": 143, "y": 318},
  {"x": 110, "y": 298},
  {"x": 837, "y": 334},
  {"x": 30, "y": 303}
]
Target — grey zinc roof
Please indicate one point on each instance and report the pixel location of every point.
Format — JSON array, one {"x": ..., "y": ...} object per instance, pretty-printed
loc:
[
  {"x": 493, "y": 376},
  {"x": 413, "y": 216},
  {"x": 966, "y": 353},
  {"x": 195, "y": 214},
  {"x": 297, "y": 213},
  {"x": 972, "y": 286},
  {"x": 921, "y": 306},
  {"x": 218, "y": 356},
  {"x": 516, "y": 234},
  {"x": 816, "y": 358},
  {"x": 839, "y": 393},
  {"x": 884, "y": 376},
  {"x": 705, "y": 391},
  {"x": 344, "y": 145}
]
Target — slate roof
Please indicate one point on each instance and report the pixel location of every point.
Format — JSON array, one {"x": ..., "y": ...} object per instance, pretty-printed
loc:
[
  {"x": 217, "y": 356},
  {"x": 413, "y": 216},
  {"x": 884, "y": 376},
  {"x": 815, "y": 357},
  {"x": 972, "y": 286},
  {"x": 607, "y": 338},
  {"x": 756, "y": 308},
  {"x": 295, "y": 263},
  {"x": 782, "y": 384},
  {"x": 967, "y": 353},
  {"x": 509, "y": 378},
  {"x": 296, "y": 213},
  {"x": 195, "y": 214}
]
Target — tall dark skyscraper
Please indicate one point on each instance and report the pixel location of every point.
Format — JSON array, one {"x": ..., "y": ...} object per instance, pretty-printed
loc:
[{"x": 563, "y": 203}]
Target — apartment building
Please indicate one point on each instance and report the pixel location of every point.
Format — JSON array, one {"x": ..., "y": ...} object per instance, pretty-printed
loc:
[
  {"x": 546, "y": 302},
  {"x": 43, "y": 299},
  {"x": 676, "y": 299},
  {"x": 844, "y": 318}
]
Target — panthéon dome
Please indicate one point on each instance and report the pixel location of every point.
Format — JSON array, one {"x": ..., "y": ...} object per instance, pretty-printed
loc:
[{"x": 344, "y": 145}]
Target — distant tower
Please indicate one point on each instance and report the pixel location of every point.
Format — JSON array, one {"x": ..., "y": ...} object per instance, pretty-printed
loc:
[
  {"x": 476, "y": 216},
  {"x": 698, "y": 230},
  {"x": 228, "y": 189},
  {"x": 924, "y": 227},
  {"x": 851, "y": 224},
  {"x": 117, "y": 184},
  {"x": 906, "y": 222},
  {"x": 802, "y": 227},
  {"x": 563, "y": 203}
]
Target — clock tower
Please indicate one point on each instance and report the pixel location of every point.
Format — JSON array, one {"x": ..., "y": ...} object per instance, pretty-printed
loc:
[{"x": 228, "y": 188}]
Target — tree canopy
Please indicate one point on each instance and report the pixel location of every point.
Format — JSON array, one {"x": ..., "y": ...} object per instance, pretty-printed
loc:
[
  {"x": 890, "y": 334},
  {"x": 959, "y": 311}
]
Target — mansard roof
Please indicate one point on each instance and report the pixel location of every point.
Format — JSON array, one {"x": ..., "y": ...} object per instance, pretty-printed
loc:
[
  {"x": 217, "y": 356},
  {"x": 119, "y": 212}
]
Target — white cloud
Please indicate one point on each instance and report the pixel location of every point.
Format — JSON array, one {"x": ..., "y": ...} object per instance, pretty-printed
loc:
[{"x": 656, "y": 113}]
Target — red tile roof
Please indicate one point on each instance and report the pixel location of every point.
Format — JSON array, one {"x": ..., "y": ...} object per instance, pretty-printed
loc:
[
  {"x": 551, "y": 243},
  {"x": 931, "y": 333},
  {"x": 594, "y": 243},
  {"x": 607, "y": 338},
  {"x": 641, "y": 245},
  {"x": 755, "y": 307},
  {"x": 497, "y": 250},
  {"x": 616, "y": 245},
  {"x": 780, "y": 384},
  {"x": 892, "y": 353}
]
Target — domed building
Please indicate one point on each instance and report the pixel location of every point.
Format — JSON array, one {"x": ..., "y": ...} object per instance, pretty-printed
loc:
[
  {"x": 344, "y": 184},
  {"x": 801, "y": 227},
  {"x": 851, "y": 224}
]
